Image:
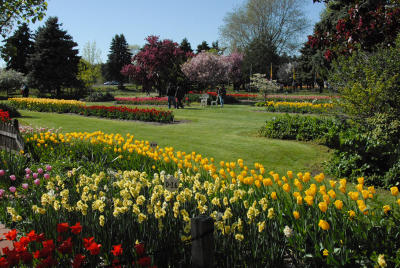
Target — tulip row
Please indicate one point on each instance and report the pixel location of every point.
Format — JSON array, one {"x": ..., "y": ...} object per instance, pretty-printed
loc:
[
  {"x": 143, "y": 101},
  {"x": 314, "y": 98},
  {"x": 114, "y": 112},
  {"x": 123, "y": 112},
  {"x": 312, "y": 219},
  {"x": 46, "y": 105},
  {"x": 296, "y": 107}
]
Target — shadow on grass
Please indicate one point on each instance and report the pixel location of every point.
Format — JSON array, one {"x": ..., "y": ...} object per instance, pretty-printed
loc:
[
  {"x": 26, "y": 116},
  {"x": 189, "y": 108}
]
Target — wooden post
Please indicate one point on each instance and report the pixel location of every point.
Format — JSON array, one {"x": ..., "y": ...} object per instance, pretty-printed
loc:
[{"x": 202, "y": 231}]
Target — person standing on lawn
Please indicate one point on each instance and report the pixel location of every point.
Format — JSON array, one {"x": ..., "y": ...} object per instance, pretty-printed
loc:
[
  {"x": 171, "y": 95},
  {"x": 179, "y": 94},
  {"x": 221, "y": 95}
]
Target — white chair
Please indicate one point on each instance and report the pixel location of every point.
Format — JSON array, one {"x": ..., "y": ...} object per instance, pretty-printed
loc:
[
  {"x": 203, "y": 100},
  {"x": 214, "y": 102}
]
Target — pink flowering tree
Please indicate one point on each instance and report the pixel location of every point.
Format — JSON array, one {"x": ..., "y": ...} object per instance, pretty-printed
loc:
[
  {"x": 234, "y": 62},
  {"x": 157, "y": 63},
  {"x": 211, "y": 69}
]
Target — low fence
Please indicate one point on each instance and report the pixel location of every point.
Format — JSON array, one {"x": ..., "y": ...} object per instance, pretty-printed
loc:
[{"x": 10, "y": 137}]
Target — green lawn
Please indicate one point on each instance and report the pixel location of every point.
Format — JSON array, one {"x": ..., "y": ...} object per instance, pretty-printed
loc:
[{"x": 227, "y": 133}]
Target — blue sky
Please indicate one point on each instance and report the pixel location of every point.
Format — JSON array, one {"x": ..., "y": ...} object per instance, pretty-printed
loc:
[{"x": 101, "y": 20}]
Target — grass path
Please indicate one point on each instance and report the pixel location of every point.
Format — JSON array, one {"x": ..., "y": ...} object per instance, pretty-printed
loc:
[{"x": 225, "y": 134}]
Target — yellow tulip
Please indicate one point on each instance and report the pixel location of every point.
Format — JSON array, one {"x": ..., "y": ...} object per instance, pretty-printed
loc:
[
  {"x": 323, "y": 206},
  {"x": 394, "y": 190},
  {"x": 338, "y": 204},
  {"x": 286, "y": 187},
  {"x": 324, "y": 225},
  {"x": 296, "y": 215}
]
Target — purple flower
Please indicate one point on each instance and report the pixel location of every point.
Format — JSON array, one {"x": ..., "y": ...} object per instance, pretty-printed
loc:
[
  {"x": 37, "y": 181},
  {"x": 2, "y": 191},
  {"x": 46, "y": 176},
  {"x": 28, "y": 171},
  {"x": 25, "y": 186},
  {"x": 12, "y": 189},
  {"x": 2, "y": 172},
  {"x": 34, "y": 175},
  {"x": 13, "y": 178},
  {"x": 27, "y": 176},
  {"x": 40, "y": 170},
  {"x": 48, "y": 167}
]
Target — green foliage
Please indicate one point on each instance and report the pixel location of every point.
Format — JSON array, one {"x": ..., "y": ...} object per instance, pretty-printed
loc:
[
  {"x": 11, "y": 80},
  {"x": 12, "y": 11},
  {"x": 369, "y": 83},
  {"x": 324, "y": 130},
  {"x": 54, "y": 64},
  {"x": 88, "y": 73},
  {"x": 98, "y": 96},
  {"x": 17, "y": 48}
]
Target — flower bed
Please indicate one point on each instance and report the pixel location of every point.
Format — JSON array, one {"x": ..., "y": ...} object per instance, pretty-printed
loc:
[
  {"x": 311, "y": 219},
  {"x": 143, "y": 101},
  {"x": 296, "y": 107},
  {"x": 123, "y": 112},
  {"x": 114, "y": 112},
  {"x": 301, "y": 98},
  {"x": 46, "y": 105}
]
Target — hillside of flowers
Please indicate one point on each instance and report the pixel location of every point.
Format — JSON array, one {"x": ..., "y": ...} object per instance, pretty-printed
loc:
[
  {"x": 80, "y": 190},
  {"x": 78, "y": 107}
]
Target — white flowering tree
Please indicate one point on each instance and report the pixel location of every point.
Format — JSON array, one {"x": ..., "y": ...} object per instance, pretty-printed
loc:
[
  {"x": 260, "y": 82},
  {"x": 11, "y": 80}
]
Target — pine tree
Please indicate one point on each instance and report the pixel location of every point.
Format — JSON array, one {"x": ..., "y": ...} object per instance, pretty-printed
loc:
[
  {"x": 54, "y": 63},
  {"x": 17, "y": 48},
  {"x": 119, "y": 57},
  {"x": 203, "y": 46},
  {"x": 185, "y": 45}
]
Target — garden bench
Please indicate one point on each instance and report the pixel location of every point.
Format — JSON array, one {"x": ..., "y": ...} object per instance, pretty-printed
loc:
[{"x": 203, "y": 99}]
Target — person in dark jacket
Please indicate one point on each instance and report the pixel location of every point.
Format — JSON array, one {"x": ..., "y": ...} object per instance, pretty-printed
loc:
[
  {"x": 221, "y": 95},
  {"x": 179, "y": 94},
  {"x": 171, "y": 95}
]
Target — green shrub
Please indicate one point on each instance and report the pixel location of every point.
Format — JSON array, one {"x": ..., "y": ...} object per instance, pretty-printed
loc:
[
  {"x": 369, "y": 84},
  {"x": 324, "y": 130},
  {"x": 98, "y": 96}
]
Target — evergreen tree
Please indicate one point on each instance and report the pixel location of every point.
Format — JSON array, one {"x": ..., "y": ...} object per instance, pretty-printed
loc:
[
  {"x": 307, "y": 69},
  {"x": 185, "y": 46},
  {"x": 54, "y": 63},
  {"x": 119, "y": 57},
  {"x": 203, "y": 46},
  {"x": 259, "y": 56},
  {"x": 17, "y": 48}
]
